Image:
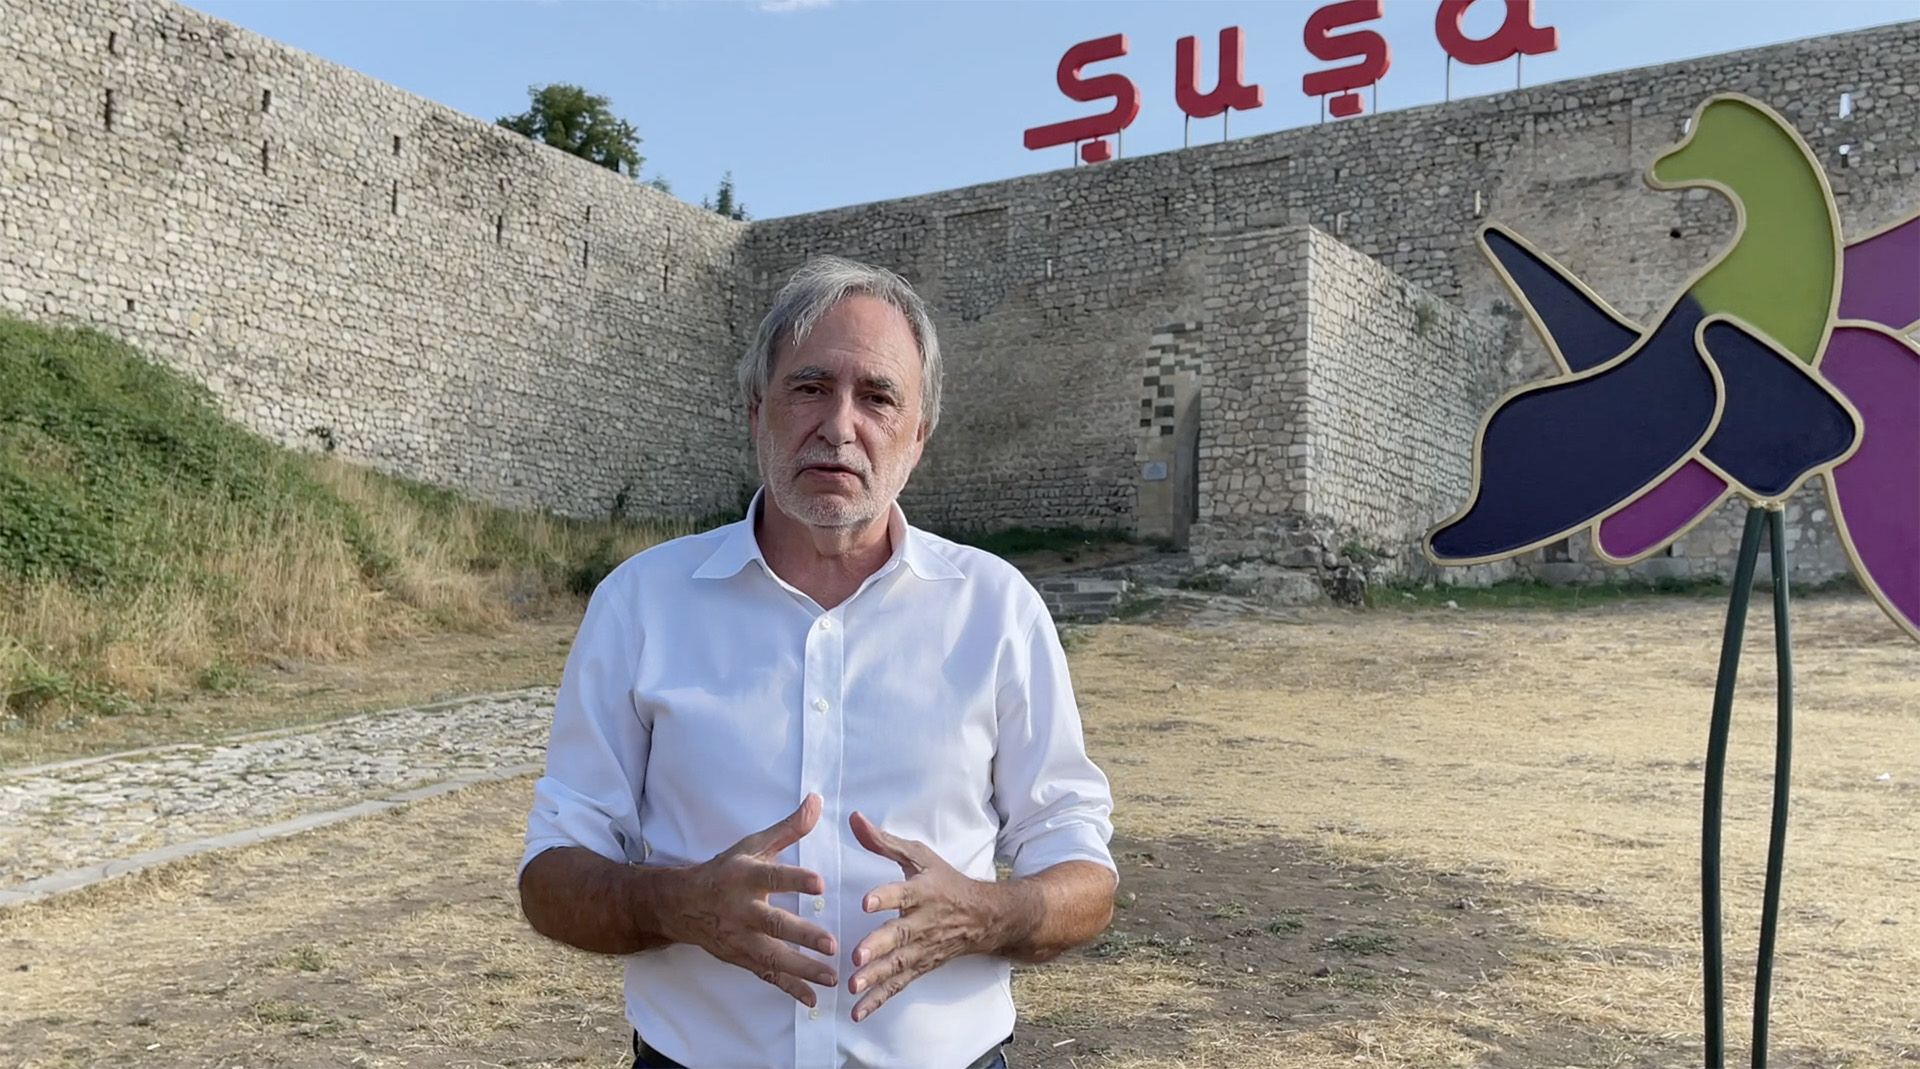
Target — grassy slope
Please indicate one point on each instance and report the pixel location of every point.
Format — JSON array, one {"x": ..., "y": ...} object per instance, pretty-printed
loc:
[{"x": 150, "y": 547}]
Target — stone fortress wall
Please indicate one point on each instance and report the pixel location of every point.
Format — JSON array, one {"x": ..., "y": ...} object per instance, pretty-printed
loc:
[
  {"x": 1052, "y": 285},
  {"x": 348, "y": 266}
]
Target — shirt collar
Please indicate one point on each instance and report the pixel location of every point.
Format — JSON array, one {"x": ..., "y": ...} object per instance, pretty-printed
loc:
[{"x": 739, "y": 547}]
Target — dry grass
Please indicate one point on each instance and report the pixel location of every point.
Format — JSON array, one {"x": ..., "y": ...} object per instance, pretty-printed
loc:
[
  {"x": 290, "y": 584},
  {"x": 290, "y": 693},
  {"x": 151, "y": 547},
  {"x": 248, "y": 589},
  {"x": 1547, "y": 758},
  {"x": 1089, "y": 995},
  {"x": 315, "y": 951},
  {"x": 1560, "y": 751}
]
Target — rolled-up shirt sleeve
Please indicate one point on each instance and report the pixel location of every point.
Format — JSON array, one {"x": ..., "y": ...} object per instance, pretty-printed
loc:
[
  {"x": 1054, "y": 802},
  {"x": 597, "y": 752}
]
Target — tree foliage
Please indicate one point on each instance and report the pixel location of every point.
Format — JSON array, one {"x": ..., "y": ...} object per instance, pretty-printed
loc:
[
  {"x": 573, "y": 120},
  {"x": 724, "y": 202}
]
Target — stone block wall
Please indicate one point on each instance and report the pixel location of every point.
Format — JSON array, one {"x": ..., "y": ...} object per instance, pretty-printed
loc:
[
  {"x": 1338, "y": 404},
  {"x": 1047, "y": 292},
  {"x": 1398, "y": 380},
  {"x": 1814, "y": 552},
  {"x": 1091, "y": 257},
  {"x": 1254, "y": 449},
  {"x": 344, "y": 263}
]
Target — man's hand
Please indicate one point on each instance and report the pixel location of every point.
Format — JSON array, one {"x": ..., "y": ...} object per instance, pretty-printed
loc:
[
  {"x": 944, "y": 914},
  {"x": 721, "y": 906}
]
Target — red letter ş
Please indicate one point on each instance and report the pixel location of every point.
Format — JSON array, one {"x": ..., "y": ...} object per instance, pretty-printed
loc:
[
  {"x": 1126, "y": 100},
  {"x": 1323, "y": 45},
  {"x": 1369, "y": 46}
]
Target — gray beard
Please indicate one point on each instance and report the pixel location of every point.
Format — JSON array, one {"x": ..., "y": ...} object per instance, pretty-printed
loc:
[{"x": 818, "y": 511}]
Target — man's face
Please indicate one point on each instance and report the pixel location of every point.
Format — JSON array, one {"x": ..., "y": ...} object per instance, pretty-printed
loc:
[{"x": 839, "y": 430}]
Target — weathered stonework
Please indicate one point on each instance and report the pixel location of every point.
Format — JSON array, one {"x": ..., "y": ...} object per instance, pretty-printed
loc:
[
  {"x": 1395, "y": 375},
  {"x": 1169, "y": 435},
  {"x": 1337, "y": 403},
  {"x": 344, "y": 263},
  {"x": 1081, "y": 265}
]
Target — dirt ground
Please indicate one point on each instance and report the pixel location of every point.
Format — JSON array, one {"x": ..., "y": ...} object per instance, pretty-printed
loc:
[{"x": 1387, "y": 838}]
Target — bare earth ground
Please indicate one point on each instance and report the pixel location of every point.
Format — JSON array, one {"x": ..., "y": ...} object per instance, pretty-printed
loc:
[{"x": 1390, "y": 839}]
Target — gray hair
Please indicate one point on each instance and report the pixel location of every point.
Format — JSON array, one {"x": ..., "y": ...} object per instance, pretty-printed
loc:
[{"x": 817, "y": 286}]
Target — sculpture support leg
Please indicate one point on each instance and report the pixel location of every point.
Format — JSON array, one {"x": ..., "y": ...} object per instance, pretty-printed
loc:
[
  {"x": 1710, "y": 940},
  {"x": 1782, "y": 770}
]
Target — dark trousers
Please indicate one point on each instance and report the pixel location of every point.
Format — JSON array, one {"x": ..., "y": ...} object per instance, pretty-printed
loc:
[{"x": 645, "y": 1057}]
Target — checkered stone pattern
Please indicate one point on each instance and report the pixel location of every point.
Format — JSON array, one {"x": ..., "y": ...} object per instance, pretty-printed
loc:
[{"x": 1173, "y": 360}]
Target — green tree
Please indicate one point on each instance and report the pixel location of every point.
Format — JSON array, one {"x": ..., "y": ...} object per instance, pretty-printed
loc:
[
  {"x": 723, "y": 201},
  {"x": 573, "y": 120}
]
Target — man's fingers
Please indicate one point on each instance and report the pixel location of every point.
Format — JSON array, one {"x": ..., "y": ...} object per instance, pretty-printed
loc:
[
  {"x": 882, "y": 941},
  {"x": 892, "y": 847},
  {"x": 797, "y": 988},
  {"x": 867, "y": 835},
  {"x": 770, "y": 959},
  {"x": 791, "y": 878},
  {"x": 784, "y": 832},
  {"x": 884, "y": 990},
  {"x": 888, "y": 896},
  {"x": 788, "y": 928},
  {"x": 889, "y": 958}
]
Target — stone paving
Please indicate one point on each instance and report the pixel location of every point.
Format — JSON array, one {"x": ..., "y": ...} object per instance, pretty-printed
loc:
[{"x": 88, "y": 814}]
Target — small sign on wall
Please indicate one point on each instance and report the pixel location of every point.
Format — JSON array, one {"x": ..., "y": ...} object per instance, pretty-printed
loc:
[{"x": 1153, "y": 471}]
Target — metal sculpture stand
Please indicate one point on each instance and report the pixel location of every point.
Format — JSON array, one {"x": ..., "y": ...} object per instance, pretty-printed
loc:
[{"x": 1771, "y": 517}]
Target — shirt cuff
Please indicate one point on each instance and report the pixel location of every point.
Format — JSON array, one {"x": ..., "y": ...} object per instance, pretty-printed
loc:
[
  {"x": 563, "y": 816},
  {"x": 535, "y": 850},
  {"x": 1073, "y": 842}
]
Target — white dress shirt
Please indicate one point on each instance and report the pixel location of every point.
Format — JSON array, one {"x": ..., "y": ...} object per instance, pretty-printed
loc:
[{"x": 705, "y": 698}]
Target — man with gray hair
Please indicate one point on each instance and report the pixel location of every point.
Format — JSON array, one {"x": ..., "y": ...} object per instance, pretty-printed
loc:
[{"x": 787, "y": 752}]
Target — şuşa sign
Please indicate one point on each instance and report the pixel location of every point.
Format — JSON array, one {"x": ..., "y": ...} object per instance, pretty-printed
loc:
[{"x": 1516, "y": 36}]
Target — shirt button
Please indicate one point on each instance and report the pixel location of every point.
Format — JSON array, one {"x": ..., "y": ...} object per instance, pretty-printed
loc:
[
  {"x": 814, "y": 1013},
  {"x": 826, "y": 624},
  {"x": 820, "y": 704},
  {"x": 819, "y": 904}
]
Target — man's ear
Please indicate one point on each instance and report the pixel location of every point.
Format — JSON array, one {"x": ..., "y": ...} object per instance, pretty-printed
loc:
[
  {"x": 920, "y": 434},
  {"x": 753, "y": 421}
]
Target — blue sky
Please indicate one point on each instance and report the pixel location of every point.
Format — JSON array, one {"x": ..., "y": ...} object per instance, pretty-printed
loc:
[{"x": 816, "y": 104}]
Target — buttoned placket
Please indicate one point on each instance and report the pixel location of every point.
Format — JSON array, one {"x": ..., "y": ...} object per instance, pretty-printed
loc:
[{"x": 816, "y": 1029}]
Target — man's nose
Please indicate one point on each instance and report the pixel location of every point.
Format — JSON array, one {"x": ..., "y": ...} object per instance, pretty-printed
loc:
[{"x": 837, "y": 426}]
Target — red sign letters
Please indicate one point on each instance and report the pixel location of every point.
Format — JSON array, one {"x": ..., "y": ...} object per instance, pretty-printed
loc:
[
  {"x": 1330, "y": 36},
  {"x": 1126, "y": 100},
  {"x": 1228, "y": 92},
  {"x": 1370, "y": 47},
  {"x": 1516, "y": 36}
]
